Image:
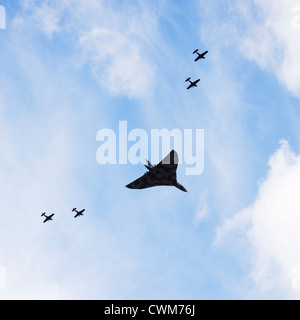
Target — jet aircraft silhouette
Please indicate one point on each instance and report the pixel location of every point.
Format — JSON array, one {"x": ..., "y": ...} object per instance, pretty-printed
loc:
[
  {"x": 48, "y": 218},
  {"x": 200, "y": 55},
  {"x": 78, "y": 213},
  {"x": 163, "y": 174},
  {"x": 192, "y": 83}
]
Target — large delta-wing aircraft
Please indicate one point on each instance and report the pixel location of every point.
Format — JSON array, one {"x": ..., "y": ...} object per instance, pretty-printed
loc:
[
  {"x": 192, "y": 83},
  {"x": 200, "y": 55},
  {"x": 163, "y": 174},
  {"x": 78, "y": 213},
  {"x": 48, "y": 218}
]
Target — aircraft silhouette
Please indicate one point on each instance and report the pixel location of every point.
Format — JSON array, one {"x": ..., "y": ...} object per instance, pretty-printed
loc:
[
  {"x": 163, "y": 174},
  {"x": 192, "y": 83},
  {"x": 78, "y": 213},
  {"x": 200, "y": 55},
  {"x": 48, "y": 218}
]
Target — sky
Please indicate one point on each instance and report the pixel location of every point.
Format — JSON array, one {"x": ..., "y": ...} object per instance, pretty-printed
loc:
[{"x": 70, "y": 68}]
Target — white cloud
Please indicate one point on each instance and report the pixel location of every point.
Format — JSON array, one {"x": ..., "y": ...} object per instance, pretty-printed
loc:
[
  {"x": 265, "y": 31},
  {"x": 117, "y": 62},
  {"x": 43, "y": 17},
  {"x": 114, "y": 45},
  {"x": 110, "y": 39},
  {"x": 272, "y": 41},
  {"x": 271, "y": 226},
  {"x": 48, "y": 19}
]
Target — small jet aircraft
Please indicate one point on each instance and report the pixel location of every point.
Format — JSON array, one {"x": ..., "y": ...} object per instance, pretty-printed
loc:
[
  {"x": 48, "y": 218},
  {"x": 200, "y": 55},
  {"x": 163, "y": 174},
  {"x": 192, "y": 83},
  {"x": 78, "y": 213}
]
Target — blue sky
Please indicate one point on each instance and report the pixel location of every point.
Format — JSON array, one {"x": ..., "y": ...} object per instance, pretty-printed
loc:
[{"x": 72, "y": 68}]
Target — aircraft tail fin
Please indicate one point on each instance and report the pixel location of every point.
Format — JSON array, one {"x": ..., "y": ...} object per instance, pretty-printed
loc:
[
  {"x": 195, "y": 51},
  {"x": 149, "y": 165},
  {"x": 43, "y": 214},
  {"x": 188, "y": 79}
]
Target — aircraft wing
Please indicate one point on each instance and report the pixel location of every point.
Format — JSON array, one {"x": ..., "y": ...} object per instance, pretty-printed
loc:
[
  {"x": 194, "y": 84},
  {"x": 164, "y": 174}
]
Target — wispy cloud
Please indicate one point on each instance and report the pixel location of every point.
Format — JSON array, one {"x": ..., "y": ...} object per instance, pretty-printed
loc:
[
  {"x": 111, "y": 39},
  {"x": 117, "y": 62},
  {"x": 202, "y": 211},
  {"x": 45, "y": 17}
]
